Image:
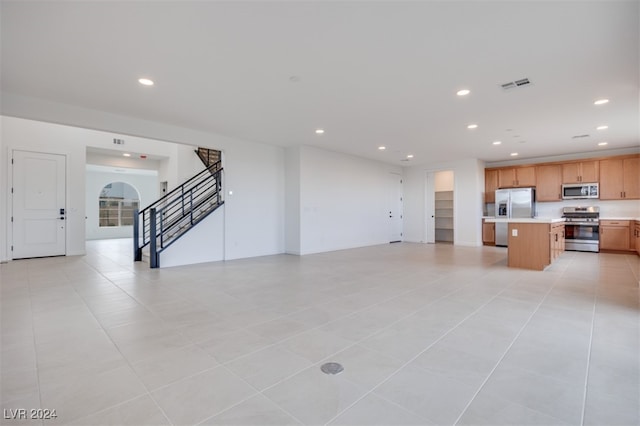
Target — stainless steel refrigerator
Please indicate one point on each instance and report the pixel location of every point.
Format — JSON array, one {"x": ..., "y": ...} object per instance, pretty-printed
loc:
[{"x": 516, "y": 202}]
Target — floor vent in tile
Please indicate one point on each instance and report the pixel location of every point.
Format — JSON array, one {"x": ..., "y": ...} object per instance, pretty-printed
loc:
[{"x": 331, "y": 368}]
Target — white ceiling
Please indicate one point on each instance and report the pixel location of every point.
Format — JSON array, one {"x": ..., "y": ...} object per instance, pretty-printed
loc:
[{"x": 368, "y": 72}]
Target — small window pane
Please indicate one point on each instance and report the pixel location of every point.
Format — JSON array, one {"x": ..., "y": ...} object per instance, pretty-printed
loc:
[{"x": 117, "y": 202}]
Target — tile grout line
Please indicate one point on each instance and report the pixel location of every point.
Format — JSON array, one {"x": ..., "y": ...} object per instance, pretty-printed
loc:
[
  {"x": 495, "y": 367},
  {"x": 314, "y": 364},
  {"x": 127, "y": 361},
  {"x": 417, "y": 355},
  {"x": 35, "y": 348},
  {"x": 586, "y": 378},
  {"x": 258, "y": 392}
]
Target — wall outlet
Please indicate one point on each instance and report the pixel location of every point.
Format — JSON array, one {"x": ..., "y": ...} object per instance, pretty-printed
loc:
[{"x": 514, "y": 232}]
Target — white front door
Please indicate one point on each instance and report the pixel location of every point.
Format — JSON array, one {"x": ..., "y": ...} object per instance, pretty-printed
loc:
[
  {"x": 39, "y": 207},
  {"x": 430, "y": 208},
  {"x": 395, "y": 207}
]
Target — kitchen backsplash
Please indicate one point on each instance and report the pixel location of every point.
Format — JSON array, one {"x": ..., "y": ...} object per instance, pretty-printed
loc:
[{"x": 613, "y": 209}]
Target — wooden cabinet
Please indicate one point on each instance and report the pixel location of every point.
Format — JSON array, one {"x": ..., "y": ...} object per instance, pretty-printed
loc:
[
  {"x": 517, "y": 177},
  {"x": 488, "y": 233},
  {"x": 557, "y": 241},
  {"x": 637, "y": 236},
  {"x": 614, "y": 235},
  {"x": 549, "y": 182},
  {"x": 586, "y": 171},
  {"x": 490, "y": 185},
  {"x": 534, "y": 245},
  {"x": 631, "y": 171},
  {"x": 620, "y": 179}
]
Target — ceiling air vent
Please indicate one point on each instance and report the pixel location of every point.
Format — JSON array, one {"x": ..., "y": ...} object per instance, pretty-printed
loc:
[
  {"x": 516, "y": 83},
  {"x": 580, "y": 136},
  {"x": 118, "y": 141}
]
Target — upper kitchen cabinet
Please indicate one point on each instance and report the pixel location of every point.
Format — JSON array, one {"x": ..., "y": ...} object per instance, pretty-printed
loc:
[
  {"x": 586, "y": 171},
  {"x": 517, "y": 177},
  {"x": 490, "y": 185},
  {"x": 549, "y": 182},
  {"x": 620, "y": 179}
]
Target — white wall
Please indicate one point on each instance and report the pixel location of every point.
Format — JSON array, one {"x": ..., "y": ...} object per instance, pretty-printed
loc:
[
  {"x": 343, "y": 201},
  {"x": 255, "y": 172},
  {"x": 145, "y": 184},
  {"x": 444, "y": 181},
  {"x": 467, "y": 203},
  {"x": 201, "y": 245},
  {"x": 292, "y": 200},
  {"x": 4, "y": 197},
  {"x": 614, "y": 209}
]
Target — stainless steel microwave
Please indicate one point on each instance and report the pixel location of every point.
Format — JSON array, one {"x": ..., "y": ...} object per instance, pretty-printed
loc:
[{"x": 575, "y": 191}]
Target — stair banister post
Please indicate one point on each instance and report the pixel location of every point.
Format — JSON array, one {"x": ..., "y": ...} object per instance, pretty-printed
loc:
[
  {"x": 153, "y": 251},
  {"x": 191, "y": 206},
  {"x": 137, "y": 252}
]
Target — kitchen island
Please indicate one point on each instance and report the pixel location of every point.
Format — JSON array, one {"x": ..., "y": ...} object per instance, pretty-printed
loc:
[{"x": 534, "y": 243}]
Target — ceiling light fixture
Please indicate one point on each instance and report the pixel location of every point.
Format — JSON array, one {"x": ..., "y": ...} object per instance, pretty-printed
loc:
[
  {"x": 472, "y": 126},
  {"x": 382, "y": 148},
  {"x": 601, "y": 102},
  {"x": 603, "y": 143},
  {"x": 145, "y": 82},
  {"x": 602, "y": 127},
  {"x": 497, "y": 142},
  {"x": 319, "y": 131},
  {"x": 126, "y": 154},
  {"x": 410, "y": 156},
  {"x": 514, "y": 154},
  {"x": 463, "y": 92}
]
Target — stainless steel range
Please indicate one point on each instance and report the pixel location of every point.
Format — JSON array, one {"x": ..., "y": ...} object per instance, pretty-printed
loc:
[{"x": 582, "y": 228}]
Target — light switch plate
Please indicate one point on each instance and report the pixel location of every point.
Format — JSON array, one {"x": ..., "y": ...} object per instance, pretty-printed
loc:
[{"x": 514, "y": 232}]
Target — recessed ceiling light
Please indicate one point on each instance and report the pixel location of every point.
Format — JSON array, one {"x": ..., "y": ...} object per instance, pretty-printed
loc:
[
  {"x": 497, "y": 142},
  {"x": 145, "y": 82},
  {"x": 514, "y": 154},
  {"x": 603, "y": 143},
  {"x": 472, "y": 126},
  {"x": 319, "y": 131},
  {"x": 382, "y": 148},
  {"x": 601, "y": 102},
  {"x": 126, "y": 154},
  {"x": 463, "y": 92},
  {"x": 410, "y": 156},
  {"x": 602, "y": 127}
]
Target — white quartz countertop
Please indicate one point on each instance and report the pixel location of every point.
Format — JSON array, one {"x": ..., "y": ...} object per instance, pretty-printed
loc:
[{"x": 525, "y": 220}]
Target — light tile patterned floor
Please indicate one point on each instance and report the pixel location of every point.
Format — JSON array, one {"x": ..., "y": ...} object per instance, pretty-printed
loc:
[{"x": 427, "y": 334}]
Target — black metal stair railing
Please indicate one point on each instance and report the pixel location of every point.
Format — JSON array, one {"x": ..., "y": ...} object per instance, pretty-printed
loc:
[{"x": 170, "y": 217}]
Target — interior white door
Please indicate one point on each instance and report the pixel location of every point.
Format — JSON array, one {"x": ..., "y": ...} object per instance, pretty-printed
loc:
[
  {"x": 430, "y": 208},
  {"x": 39, "y": 207},
  {"x": 395, "y": 207}
]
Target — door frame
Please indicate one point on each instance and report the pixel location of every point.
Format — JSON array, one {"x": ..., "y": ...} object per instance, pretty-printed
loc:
[
  {"x": 393, "y": 187},
  {"x": 430, "y": 203},
  {"x": 10, "y": 196}
]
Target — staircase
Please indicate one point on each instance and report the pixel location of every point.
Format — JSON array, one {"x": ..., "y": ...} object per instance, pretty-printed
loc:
[
  {"x": 167, "y": 219},
  {"x": 209, "y": 156}
]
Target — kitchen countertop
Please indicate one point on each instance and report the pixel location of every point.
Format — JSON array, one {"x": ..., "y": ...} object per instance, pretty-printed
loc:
[{"x": 525, "y": 220}]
